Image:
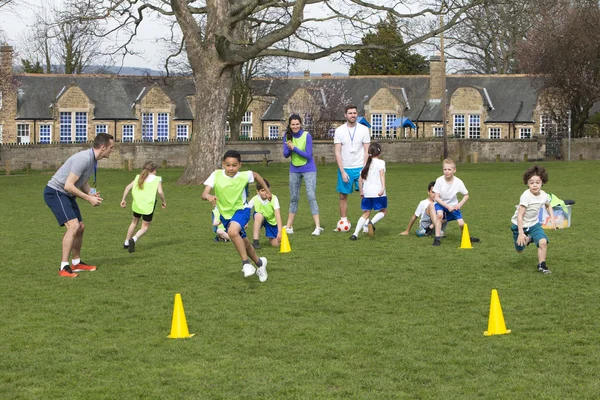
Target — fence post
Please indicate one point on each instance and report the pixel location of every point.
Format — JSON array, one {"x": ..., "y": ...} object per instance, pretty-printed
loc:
[
  {"x": 525, "y": 157},
  {"x": 265, "y": 161},
  {"x": 497, "y": 157},
  {"x": 7, "y": 167},
  {"x": 323, "y": 160},
  {"x": 124, "y": 164},
  {"x": 164, "y": 163},
  {"x": 581, "y": 157},
  {"x": 130, "y": 164},
  {"x": 475, "y": 156},
  {"x": 28, "y": 169},
  {"x": 468, "y": 158}
]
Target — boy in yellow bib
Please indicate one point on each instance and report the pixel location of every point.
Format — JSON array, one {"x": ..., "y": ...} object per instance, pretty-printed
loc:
[
  {"x": 230, "y": 186},
  {"x": 267, "y": 214},
  {"x": 144, "y": 188}
]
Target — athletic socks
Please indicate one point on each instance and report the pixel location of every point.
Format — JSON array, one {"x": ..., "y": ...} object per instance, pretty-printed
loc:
[{"x": 378, "y": 217}]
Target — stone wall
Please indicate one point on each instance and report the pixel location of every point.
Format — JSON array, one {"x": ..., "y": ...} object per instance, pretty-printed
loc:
[{"x": 51, "y": 156}]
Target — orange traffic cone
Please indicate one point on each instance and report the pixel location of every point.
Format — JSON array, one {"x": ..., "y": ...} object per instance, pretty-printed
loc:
[
  {"x": 284, "y": 247},
  {"x": 496, "y": 325},
  {"x": 465, "y": 242},
  {"x": 179, "y": 327}
]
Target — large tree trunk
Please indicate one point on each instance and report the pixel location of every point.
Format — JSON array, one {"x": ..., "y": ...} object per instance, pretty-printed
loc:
[{"x": 207, "y": 146}]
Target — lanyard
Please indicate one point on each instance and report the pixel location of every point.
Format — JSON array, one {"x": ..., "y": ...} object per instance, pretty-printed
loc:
[
  {"x": 351, "y": 134},
  {"x": 95, "y": 166}
]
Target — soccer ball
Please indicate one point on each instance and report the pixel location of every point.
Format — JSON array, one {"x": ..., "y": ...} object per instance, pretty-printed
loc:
[{"x": 343, "y": 225}]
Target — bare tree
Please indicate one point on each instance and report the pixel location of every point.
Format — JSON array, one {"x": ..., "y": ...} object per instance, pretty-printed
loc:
[
  {"x": 563, "y": 52},
  {"x": 213, "y": 33}
]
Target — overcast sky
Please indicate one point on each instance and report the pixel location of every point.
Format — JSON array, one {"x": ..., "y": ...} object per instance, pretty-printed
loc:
[{"x": 15, "y": 24}]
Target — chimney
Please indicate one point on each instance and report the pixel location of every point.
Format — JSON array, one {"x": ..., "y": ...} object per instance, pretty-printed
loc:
[
  {"x": 6, "y": 60},
  {"x": 436, "y": 75},
  {"x": 326, "y": 75},
  {"x": 306, "y": 73}
]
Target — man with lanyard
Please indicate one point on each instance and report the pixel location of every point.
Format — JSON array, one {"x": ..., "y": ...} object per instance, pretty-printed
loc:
[
  {"x": 69, "y": 182},
  {"x": 351, "y": 142}
]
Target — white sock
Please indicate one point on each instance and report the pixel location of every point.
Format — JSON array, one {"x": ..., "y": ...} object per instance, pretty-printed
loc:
[
  {"x": 344, "y": 218},
  {"x": 135, "y": 239},
  {"x": 64, "y": 264},
  {"x": 126, "y": 242},
  {"x": 359, "y": 225},
  {"x": 377, "y": 218},
  {"x": 76, "y": 261}
]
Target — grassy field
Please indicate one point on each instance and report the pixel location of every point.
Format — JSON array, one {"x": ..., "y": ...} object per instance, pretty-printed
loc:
[{"x": 387, "y": 317}]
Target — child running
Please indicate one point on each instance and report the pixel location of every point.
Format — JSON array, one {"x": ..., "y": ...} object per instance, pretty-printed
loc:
[
  {"x": 526, "y": 227},
  {"x": 426, "y": 211},
  {"x": 230, "y": 198},
  {"x": 267, "y": 214},
  {"x": 144, "y": 188},
  {"x": 372, "y": 191}
]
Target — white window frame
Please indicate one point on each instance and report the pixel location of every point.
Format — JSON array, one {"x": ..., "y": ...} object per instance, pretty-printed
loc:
[
  {"x": 23, "y": 131},
  {"x": 162, "y": 127},
  {"x": 81, "y": 126},
  {"x": 438, "y": 131},
  {"x": 148, "y": 127},
  {"x": 522, "y": 133},
  {"x": 125, "y": 135},
  {"x": 458, "y": 126},
  {"x": 495, "y": 132},
  {"x": 74, "y": 126},
  {"x": 102, "y": 128},
  {"x": 376, "y": 125},
  {"x": 273, "y": 132},
  {"x": 246, "y": 126},
  {"x": 182, "y": 132},
  {"x": 42, "y": 133},
  {"x": 474, "y": 126},
  {"x": 389, "y": 121},
  {"x": 247, "y": 118},
  {"x": 0, "y": 99},
  {"x": 1, "y": 134}
]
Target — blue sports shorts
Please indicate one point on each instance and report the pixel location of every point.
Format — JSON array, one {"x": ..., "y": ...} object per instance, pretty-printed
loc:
[
  {"x": 536, "y": 232},
  {"x": 347, "y": 187},
  {"x": 241, "y": 217},
  {"x": 449, "y": 216},
  {"x": 64, "y": 207},
  {"x": 270, "y": 230},
  {"x": 373, "y": 203}
]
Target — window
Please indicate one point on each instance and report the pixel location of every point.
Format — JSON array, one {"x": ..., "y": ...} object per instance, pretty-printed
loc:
[
  {"x": 0, "y": 134},
  {"x": 182, "y": 132},
  {"x": 80, "y": 127},
  {"x": 438, "y": 131},
  {"x": 162, "y": 127},
  {"x": 246, "y": 128},
  {"x": 45, "y": 133},
  {"x": 548, "y": 126},
  {"x": 23, "y": 135},
  {"x": 147, "y": 127},
  {"x": 101, "y": 129},
  {"x": 389, "y": 121},
  {"x": 524, "y": 133},
  {"x": 376, "y": 125},
  {"x": 495, "y": 133},
  {"x": 308, "y": 122},
  {"x": 65, "y": 127},
  {"x": 66, "y": 119},
  {"x": 127, "y": 133},
  {"x": 273, "y": 132},
  {"x": 474, "y": 126},
  {"x": 459, "y": 125}
]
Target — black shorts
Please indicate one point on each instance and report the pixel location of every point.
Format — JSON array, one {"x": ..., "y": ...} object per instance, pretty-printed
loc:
[{"x": 147, "y": 218}]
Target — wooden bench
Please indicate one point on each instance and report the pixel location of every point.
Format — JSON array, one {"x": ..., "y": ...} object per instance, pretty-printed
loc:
[{"x": 264, "y": 153}]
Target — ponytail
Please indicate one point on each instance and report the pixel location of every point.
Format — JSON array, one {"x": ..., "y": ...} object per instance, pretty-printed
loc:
[
  {"x": 149, "y": 166},
  {"x": 374, "y": 151}
]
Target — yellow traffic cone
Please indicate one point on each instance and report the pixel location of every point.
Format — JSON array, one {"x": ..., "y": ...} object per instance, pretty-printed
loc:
[
  {"x": 496, "y": 325},
  {"x": 465, "y": 242},
  {"x": 284, "y": 247},
  {"x": 179, "y": 328}
]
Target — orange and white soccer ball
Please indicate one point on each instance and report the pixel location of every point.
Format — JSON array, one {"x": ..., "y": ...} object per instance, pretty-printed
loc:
[{"x": 343, "y": 225}]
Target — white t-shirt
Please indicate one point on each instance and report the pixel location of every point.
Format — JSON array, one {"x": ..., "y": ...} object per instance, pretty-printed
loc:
[
  {"x": 420, "y": 211},
  {"x": 372, "y": 185},
  {"x": 352, "y": 141},
  {"x": 532, "y": 205},
  {"x": 448, "y": 191},
  {"x": 250, "y": 176}
]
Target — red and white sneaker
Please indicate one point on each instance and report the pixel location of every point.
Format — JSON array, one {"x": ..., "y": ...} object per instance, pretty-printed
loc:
[
  {"x": 66, "y": 272},
  {"x": 83, "y": 267}
]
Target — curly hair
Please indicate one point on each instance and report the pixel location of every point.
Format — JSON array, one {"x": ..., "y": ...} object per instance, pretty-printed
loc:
[{"x": 535, "y": 170}]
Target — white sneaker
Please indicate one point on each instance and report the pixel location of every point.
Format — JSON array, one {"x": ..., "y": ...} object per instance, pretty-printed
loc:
[
  {"x": 317, "y": 231},
  {"x": 365, "y": 228},
  {"x": 262, "y": 271},
  {"x": 248, "y": 270},
  {"x": 289, "y": 231}
]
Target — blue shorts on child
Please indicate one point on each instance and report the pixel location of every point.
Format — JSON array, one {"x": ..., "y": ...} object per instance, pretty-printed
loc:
[
  {"x": 536, "y": 232},
  {"x": 241, "y": 217},
  {"x": 449, "y": 215},
  {"x": 373, "y": 203}
]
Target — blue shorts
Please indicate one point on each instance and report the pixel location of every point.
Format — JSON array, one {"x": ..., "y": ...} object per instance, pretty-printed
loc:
[
  {"x": 449, "y": 216},
  {"x": 64, "y": 207},
  {"x": 241, "y": 217},
  {"x": 271, "y": 231},
  {"x": 373, "y": 203},
  {"x": 536, "y": 232},
  {"x": 346, "y": 187}
]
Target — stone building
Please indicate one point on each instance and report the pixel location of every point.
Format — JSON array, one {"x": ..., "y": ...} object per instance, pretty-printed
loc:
[{"x": 74, "y": 108}]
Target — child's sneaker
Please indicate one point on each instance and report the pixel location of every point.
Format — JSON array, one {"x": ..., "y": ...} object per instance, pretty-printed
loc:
[
  {"x": 543, "y": 268},
  {"x": 261, "y": 272},
  {"x": 132, "y": 246},
  {"x": 474, "y": 239},
  {"x": 256, "y": 244},
  {"x": 248, "y": 270},
  {"x": 66, "y": 272},
  {"x": 317, "y": 231},
  {"x": 371, "y": 229},
  {"x": 436, "y": 241},
  {"x": 83, "y": 267},
  {"x": 289, "y": 231},
  {"x": 353, "y": 237}
]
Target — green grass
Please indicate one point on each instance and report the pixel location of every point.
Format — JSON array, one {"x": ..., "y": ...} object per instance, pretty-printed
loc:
[{"x": 388, "y": 317}]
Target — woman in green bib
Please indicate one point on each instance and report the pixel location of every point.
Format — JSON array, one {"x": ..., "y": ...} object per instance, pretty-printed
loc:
[
  {"x": 297, "y": 144},
  {"x": 144, "y": 188}
]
